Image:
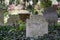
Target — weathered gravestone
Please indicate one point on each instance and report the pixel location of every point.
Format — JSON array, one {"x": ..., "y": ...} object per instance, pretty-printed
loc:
[
  {"x": 24, "y": 15},
  {"x": 51, "y": 16},
  {"x": 13, "y": 20},
  {"x": 36, "y": 26}
]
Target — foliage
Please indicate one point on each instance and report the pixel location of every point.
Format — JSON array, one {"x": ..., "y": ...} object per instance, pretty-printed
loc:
[
  {"x": 5, "y": 13},
  {"x": 30, "y": 8},
  {"x": 22, "y": 25},
  {"x": 58, "y": 0},
  {"x": 46, "y": 3},
  {"x": 10, "y": 33},
  {"x": 2, "y": 6},
  {"x": 17, "y": 2},
  {"x": 35, "y": 2},
  {"x": 12, "y": 1},
  {"x": 13, "y": 33},
  {"x": 35, "y": 11},
  {"x": 2, "y": 1},
  {"x": 58, "y": 12}
]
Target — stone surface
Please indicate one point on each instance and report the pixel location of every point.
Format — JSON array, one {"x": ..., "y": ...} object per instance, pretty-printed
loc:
[
  {"x": 13, "y": 20},
  {"x": 51, "y": 16},
  {"x": 36, "y": 26}
]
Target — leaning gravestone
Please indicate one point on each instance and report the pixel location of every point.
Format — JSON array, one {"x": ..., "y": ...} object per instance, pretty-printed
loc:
[
  {"x": 51, "y": 16},
  {"x": 36, "y": 26},
  {"x": 13, "y": 20}
]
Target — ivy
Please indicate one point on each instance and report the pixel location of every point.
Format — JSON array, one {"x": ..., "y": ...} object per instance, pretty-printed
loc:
[{"x": 46, "y": 3}]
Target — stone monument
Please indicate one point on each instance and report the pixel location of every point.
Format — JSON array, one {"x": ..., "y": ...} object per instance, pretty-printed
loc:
[
  {"x": 36, "y": 26},
  {"x": 51, "y": 16},
  {"x": 13, "y": 20}
]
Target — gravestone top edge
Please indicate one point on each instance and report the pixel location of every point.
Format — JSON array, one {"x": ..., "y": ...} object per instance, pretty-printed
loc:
[{"x": 34, "y": 17}]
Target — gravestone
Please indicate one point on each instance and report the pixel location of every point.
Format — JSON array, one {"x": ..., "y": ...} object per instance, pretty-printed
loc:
[
  {"x": 36, "y": 26},
  {"x": 13, "y": 20},
  {"x": 24, "y": 14},
  {"x": 51, "y": 16}
]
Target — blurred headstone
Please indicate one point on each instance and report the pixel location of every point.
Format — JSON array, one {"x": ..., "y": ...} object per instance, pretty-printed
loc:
[
  {"x": 36, "y": 26},
  {"x": 13, "y": 20},
  {"x": 51, "y": 16},
  {"x": 23, "y": 15}
]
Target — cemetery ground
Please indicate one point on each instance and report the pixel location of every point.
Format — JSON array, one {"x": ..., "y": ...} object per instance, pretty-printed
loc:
[{"x": 19, "y": 33}]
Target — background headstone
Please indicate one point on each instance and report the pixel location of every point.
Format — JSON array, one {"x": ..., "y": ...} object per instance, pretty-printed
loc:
[
  {"x": 36, "y": 26},
  {"x": 24, "y": 16},
  {"x": 51, "y": 16},
  {"x": 13, "y": 20}
]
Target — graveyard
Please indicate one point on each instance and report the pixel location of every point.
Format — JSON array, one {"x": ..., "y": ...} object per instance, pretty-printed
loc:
[{"x": 29, "y": 20}]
